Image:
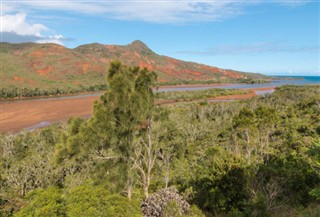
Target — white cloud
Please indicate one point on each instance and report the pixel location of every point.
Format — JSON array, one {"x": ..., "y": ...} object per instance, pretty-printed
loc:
[
  {"x": 17, "y": 23},
  {"x": 57, "y": 39},
  {"x": 16, "y": 29},
  {"x": 156, "y": 11}
]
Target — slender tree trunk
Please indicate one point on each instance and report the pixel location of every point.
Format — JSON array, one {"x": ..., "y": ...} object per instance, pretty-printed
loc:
[
  {"x": 150, "y": 159},
  {"x": 261, "y": 144},
  {"x": 166, "y": 177},
  {"x": 166, "y": 157},
  {"x": 247, "y": 137},
  {"x": 236, "y": 144},
  {"x": 23, "y": 190},
  {"x": 146, "y": 191},
  {"x": 130, "y": 181},
  {"x": 248, "y": 145},
  {"x": 129, "y": 188},
  {"x": 145, "y": 159},
  {"x": 267, "y": 143}
]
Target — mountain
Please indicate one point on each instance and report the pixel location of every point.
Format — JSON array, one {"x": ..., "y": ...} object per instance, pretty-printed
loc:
[{"x": 31, "y": 65}]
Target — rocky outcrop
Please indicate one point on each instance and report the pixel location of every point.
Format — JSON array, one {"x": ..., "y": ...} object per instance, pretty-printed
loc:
[{"x": 156, "y": 204}]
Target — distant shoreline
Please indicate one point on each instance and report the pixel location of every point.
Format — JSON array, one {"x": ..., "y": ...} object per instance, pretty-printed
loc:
[{"x": 195, "y": 85}]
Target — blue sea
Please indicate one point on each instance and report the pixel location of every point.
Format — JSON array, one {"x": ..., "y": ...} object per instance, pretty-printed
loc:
[
  {"x": 278, "y": 81},
  {"x": 300, "y": 79}
]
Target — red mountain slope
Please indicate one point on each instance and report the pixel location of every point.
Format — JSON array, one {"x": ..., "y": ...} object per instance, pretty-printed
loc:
[{"x": 31, "y": 65}]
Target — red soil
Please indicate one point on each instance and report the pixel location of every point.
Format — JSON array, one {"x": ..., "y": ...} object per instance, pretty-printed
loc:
[
  {"x": 64, "y": 60},
  {"x": 37, "y": 54},
  {"x": 31, "y": 82},
  {"x": 17, "y": 115},
  {"x": 85, "y": 67},
  {"x": 249, "y": 95},
  {"x": 45, "y": 70},
  {"x": 145, "y": 65},
  {"x": 236, "y": 96},
  {"x": 16, "y": 78}
]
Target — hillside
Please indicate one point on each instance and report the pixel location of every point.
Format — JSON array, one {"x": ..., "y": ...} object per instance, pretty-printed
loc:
[
  {"x": 47, "y": 66},
  {"x": 254, "y": 158}
]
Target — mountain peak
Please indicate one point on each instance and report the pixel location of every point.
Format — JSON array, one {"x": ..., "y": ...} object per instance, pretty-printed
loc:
[
  {"x": 86, "y": 64},
  {"x": 137, "y": 44}
]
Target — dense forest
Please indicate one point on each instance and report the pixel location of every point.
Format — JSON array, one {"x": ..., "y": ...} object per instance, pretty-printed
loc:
[
  {"x": 15, "y": 92},
  {"x": 257, "y": 157}
]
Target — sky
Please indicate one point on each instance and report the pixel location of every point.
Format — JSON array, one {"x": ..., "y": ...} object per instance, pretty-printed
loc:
[{"x": 273, "y": 37}]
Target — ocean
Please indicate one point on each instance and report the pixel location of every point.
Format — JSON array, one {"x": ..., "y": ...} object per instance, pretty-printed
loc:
[
  {"x": 283, "y": 80},
  {"x": 301, "y": 79}
]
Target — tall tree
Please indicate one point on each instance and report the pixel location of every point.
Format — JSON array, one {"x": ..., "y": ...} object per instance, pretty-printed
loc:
[
  {"x": 266, "y": 119},
  {"x": 123, "y": 112},
  {"x": 244, "y": 126}
]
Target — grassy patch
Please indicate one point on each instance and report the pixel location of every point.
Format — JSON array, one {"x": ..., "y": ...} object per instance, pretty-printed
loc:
[{"x": 197, "y": 94}]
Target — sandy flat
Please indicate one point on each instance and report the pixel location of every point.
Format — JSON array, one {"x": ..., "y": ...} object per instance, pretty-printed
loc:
[{"x": 17, "y": 115}]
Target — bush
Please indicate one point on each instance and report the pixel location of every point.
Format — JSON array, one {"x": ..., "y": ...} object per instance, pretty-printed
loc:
[
  {"x": 85, "y": 200},
  {"x": 41, "y": 202}
]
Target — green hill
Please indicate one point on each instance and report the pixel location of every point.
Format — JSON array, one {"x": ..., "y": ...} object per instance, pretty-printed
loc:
[{"x": 52, "y": 66}]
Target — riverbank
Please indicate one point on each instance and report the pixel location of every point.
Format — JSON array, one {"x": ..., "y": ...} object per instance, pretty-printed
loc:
[
  {"x": 26, "y": 113},
  {"x": 253, "y": 92},
  {"x": 23, "y": 114}
]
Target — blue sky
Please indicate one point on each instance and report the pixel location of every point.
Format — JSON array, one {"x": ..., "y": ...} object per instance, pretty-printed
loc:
[{"x": 270, "y": 37}]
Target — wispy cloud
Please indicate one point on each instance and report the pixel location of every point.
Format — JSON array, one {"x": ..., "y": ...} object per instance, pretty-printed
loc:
[
  {"x": 156, "y": 11},
  {"x": 293, "y": 3},
  {"x": 16, "y": 29},
  {"x": 254, "y": 49}
]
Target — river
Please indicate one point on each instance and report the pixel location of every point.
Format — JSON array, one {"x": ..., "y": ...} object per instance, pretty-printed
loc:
[{"x": 36, "y": 113}]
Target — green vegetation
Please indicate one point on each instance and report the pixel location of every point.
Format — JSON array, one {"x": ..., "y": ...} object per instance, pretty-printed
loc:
[
  {"x": 258, "y": 157},
  {"x": 83, "y": 200},
  {"x": 254, "y": 79},
  {"x": 198, "y": 94},
  {"x": 14, "y": 92}
]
